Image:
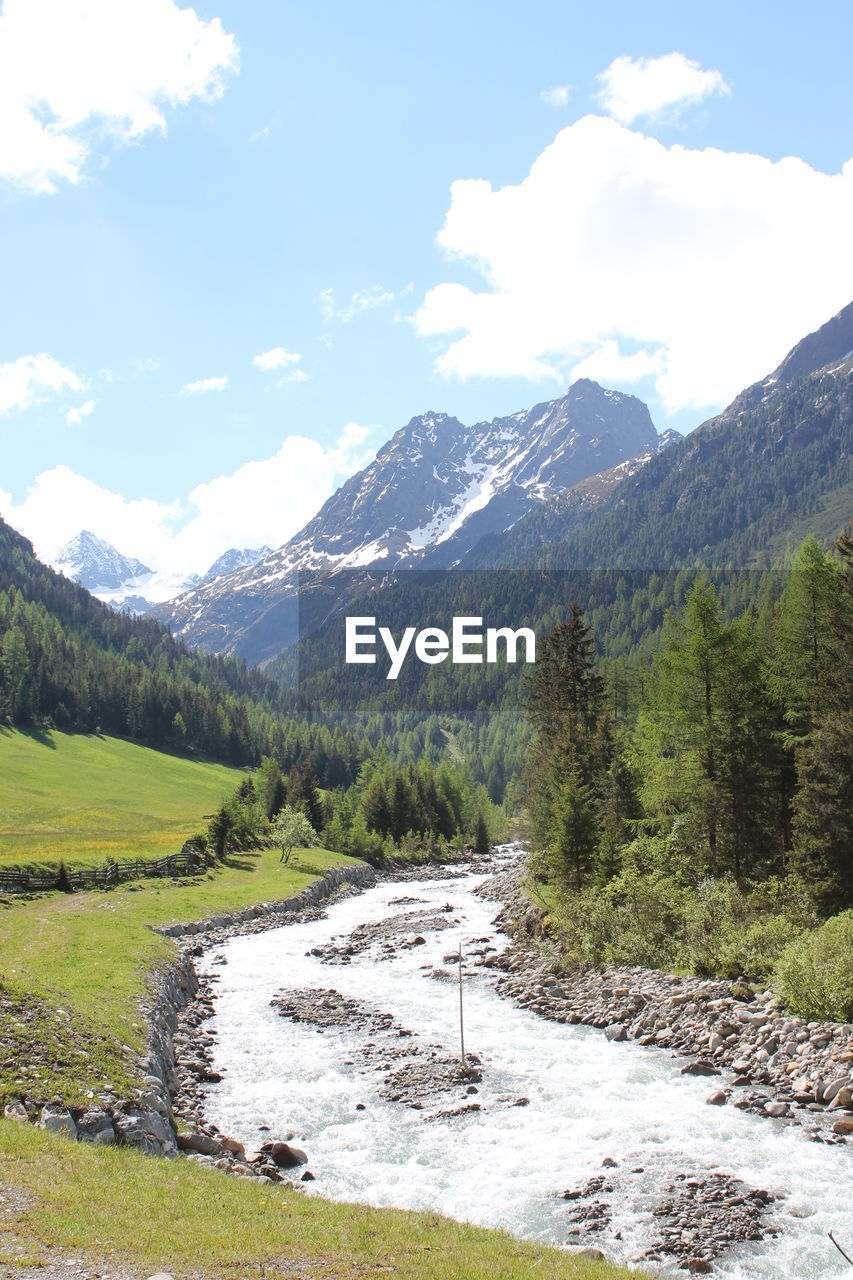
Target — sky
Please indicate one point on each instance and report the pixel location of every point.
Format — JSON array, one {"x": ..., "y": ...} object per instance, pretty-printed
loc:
[{"x": 241, "y": 245}]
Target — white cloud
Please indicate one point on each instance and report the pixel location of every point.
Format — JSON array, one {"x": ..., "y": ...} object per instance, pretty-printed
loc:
[
  {"x": 75, "y": 416},
  {"x": 610, "y": 365},
  {"x": 709, "y": 263},
  {"x": 264, "y": 501},
  {"x": 146, "y": 364},
  {"x": 364, "y": 300},
  {"x": 296, "y": 375},
  {"x": 277, "y": 358},
  {"x": 73, "y": 72},
  {"x": 558, "y": 96},
  {"x": 31, "y": 379},
  {"x": 635, "y": 87},
  {"x": 60, "y": 503},
  {"x": 203, "y": 385}
]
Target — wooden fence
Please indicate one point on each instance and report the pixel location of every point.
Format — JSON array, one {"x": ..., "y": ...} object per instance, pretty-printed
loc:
[{"x": 41, "y": 880}]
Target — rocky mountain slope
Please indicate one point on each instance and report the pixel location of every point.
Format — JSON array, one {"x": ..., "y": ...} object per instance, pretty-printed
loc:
[
  {"x": 432, "y": 492},
  {"x": 739, "y": 490}
]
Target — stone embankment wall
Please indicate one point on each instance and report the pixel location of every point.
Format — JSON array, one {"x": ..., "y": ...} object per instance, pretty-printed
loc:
[{"x": 145, "y": 1121}]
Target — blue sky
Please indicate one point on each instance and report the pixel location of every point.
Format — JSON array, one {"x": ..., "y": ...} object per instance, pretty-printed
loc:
[{"x": 279, "y": 184}]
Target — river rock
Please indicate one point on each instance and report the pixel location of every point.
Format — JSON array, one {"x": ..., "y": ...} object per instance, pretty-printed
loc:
[
  {"x": 147, "y": 1130},
  {"x": 717, "y": 1099},
  {"x": 699, "y": 1067},
  {"x": 844, "y": 1128},
  {"x": 15, "y": 1110},
  {"x": 96, "y": 1127},
  {"x": 201, "y": 1143},
  {"x": 56, "y": 1118},
  {"x": 775, "y": 1109},
  {"x": 832, "y": 1089},
  {"x": 284, "y": 1155},
  {"x": 233, "y": 1147},
  {"x": 616, "y": 1031}
]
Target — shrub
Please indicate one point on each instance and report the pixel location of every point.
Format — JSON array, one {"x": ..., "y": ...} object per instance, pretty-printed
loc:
[{"x": 814, "y": 976}]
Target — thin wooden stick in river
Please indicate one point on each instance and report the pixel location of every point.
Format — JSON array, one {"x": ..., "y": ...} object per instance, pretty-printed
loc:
[{"x": 461, "y": 1022}]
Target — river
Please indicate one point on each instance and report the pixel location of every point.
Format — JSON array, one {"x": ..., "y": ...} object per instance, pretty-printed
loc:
[{"x": 587, "y": 1100}]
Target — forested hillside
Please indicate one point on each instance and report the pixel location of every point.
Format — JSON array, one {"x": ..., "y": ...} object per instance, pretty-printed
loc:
[{"x": 72, "y": 662}]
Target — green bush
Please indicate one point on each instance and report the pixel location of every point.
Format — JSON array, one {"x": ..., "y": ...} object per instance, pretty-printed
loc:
[{"x": 814, "y": 976}]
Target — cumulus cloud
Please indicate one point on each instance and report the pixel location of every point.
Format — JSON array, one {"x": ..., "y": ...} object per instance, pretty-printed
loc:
[
  {"x": 75, "y": 416},
  {"x": 364, "y": 300},
  {"x": 616, "y": 253},
  {"x": 74, "y": 72},
  {"x": 202, "y": 385},
  {"x": 277, "y": 358},
  {"x": 60, "y": 503},
  {"x": 264, "y": 501},
  {"x": 31, "y": 379},
  {"x": 558, "y": 96},
  {"x": 635, "y": 87}
]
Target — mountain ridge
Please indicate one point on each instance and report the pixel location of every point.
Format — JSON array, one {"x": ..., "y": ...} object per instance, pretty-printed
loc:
[
  {"x": 435, "y": 488},
  {"x": 780, "y": 455}
]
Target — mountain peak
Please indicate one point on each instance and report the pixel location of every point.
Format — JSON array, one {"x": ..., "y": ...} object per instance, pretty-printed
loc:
[
  {"x": 96, "y": 564},
  {"x": 832, "y": 341},
  {"x": 432, "y": 491}
]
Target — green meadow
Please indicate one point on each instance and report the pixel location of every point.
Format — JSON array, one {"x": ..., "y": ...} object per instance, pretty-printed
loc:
[{"x": 87, "y": 799}]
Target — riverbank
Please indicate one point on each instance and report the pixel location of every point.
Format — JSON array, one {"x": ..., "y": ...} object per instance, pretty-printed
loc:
[
  {"x": 76, "y": 976},
  {"x": 756, "y": 1057},
  {"x": 343, "y": 1029},
  {"x": 526, "y": 974}
]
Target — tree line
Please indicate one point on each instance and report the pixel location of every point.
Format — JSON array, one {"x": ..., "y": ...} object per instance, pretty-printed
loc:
[
  {"x": 718, "y": 819},
  {"x": 388, "y": 808}
]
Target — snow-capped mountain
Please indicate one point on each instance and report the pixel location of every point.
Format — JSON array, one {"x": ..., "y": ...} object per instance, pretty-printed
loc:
[
  {"x": 129, "y": 585},
  {"x": 234, "y": 559},
  {"x": 97, "y": 565},
  {"x": 430, "y": 494},
  {"x": 121, "y": 581}
]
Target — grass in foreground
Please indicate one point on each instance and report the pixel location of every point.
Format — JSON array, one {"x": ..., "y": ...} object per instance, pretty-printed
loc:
[
  {"x": 87, "y": 798},
  {"x": 179, "y": 1217},
  {"x": 74, "y": 967}
]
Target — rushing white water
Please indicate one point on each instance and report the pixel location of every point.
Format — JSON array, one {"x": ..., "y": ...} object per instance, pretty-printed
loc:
[{"x": 588, "y": 1099}]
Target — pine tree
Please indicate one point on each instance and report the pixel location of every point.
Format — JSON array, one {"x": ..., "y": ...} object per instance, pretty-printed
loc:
[
  {"x": 309, "y": 796},
  {"x": 565, "y": 692},
  {"x": 574, "y": 832},
  {"x": 482, "y": 841},
  {"x": 275, "y": 792},
  {"x": 803, "y": 641},
  {"x": 823, "y": 807}
]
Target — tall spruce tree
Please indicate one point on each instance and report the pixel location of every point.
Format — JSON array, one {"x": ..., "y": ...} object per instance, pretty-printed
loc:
[
  {"x": 823, "y": 807},
  {"x": 705, "y": 738}
]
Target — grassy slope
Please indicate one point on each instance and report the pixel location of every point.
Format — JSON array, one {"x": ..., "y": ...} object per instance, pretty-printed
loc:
[
  {"x": 86, "y": 798},
  {"x": 78, "y": 965},
  {"x": 185, "y": 1219}
]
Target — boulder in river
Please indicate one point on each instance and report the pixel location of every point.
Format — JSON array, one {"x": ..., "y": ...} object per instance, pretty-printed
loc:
[
  {"x": 699, "y": 1067},
  {"x": 284, "y": 1155}
]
